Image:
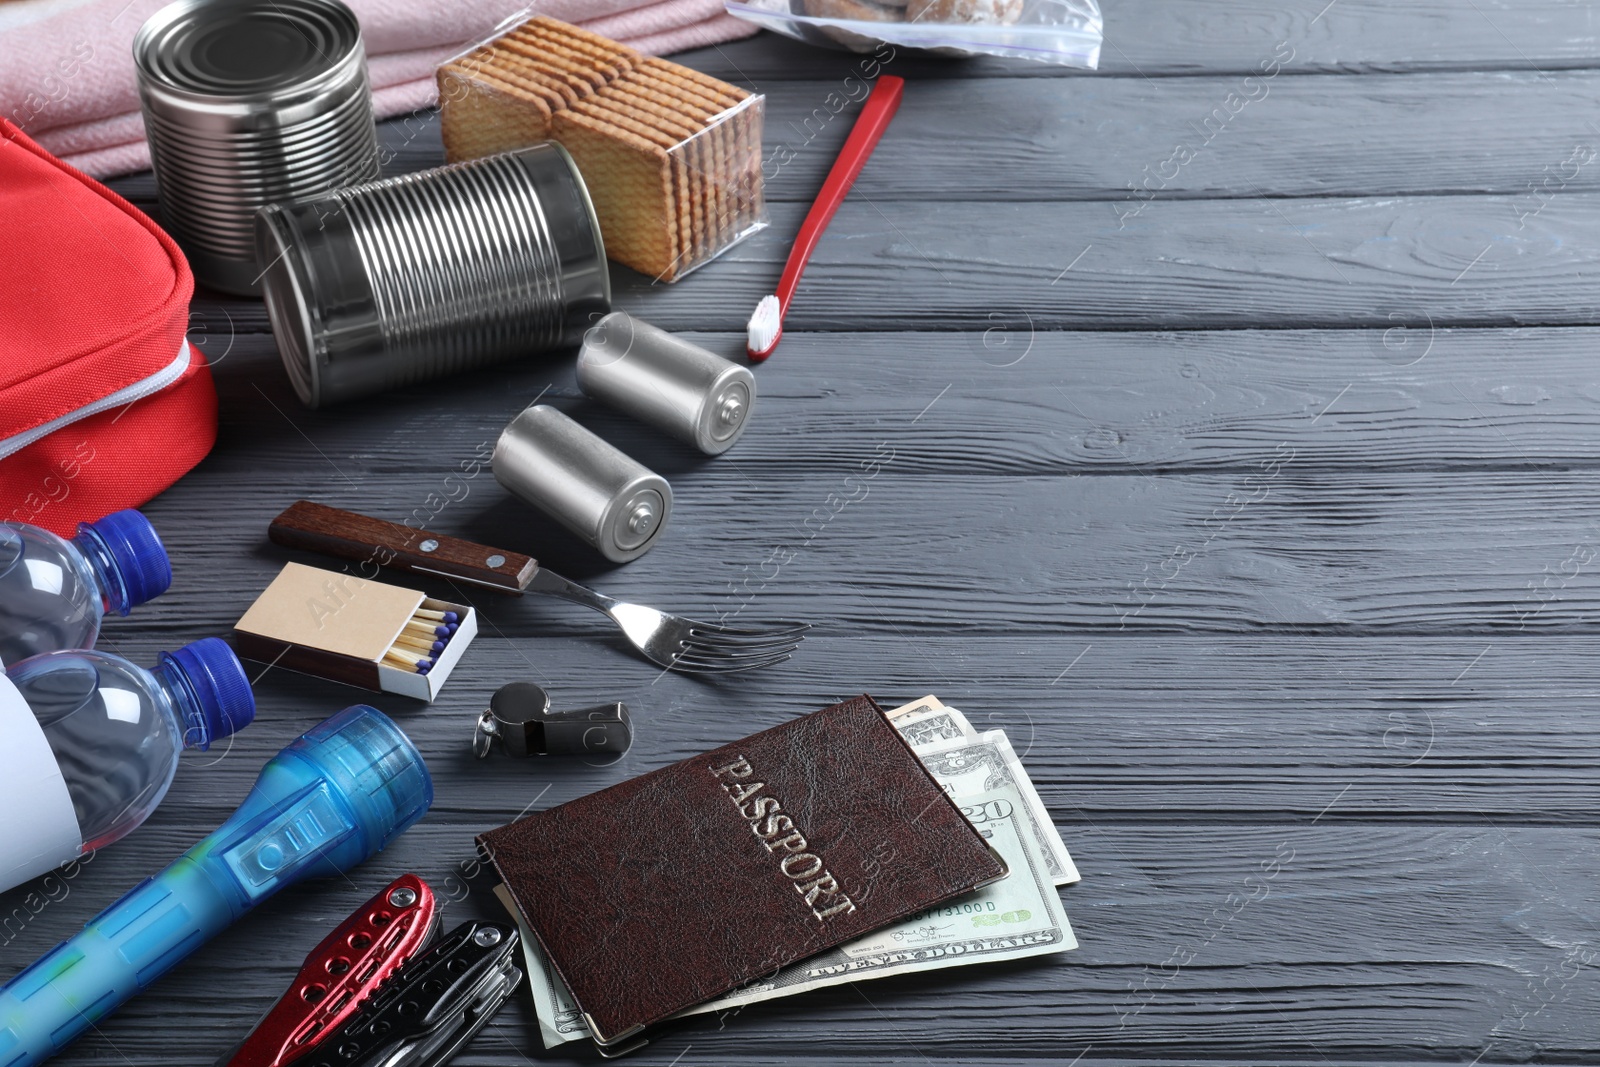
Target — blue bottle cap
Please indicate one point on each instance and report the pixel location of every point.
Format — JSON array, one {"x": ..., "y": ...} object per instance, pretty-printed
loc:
[
  {"x": 136, "y": 550},
  {"x": 219, "y": 686}
]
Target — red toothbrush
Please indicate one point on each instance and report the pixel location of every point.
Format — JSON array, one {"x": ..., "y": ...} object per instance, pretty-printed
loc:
[{"x": 766, "y": 323}]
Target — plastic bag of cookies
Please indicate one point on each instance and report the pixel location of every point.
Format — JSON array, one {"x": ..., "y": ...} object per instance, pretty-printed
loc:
[
  {"x": 671, "y": 157},
  {"x": 1065, "y": 32}
]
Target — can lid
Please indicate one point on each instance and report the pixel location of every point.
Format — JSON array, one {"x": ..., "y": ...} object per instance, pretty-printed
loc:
[
  {"x": 245, "y": 48},
  {"x": 289, "y": 309}
]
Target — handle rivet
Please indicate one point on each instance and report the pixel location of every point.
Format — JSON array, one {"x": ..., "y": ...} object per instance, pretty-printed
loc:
[
  {"x": 403, "y": 897},
  {"x": 496, "y": 560},
  {"x": 487, "y": 936},
  {"x": 429, "y": 545}
]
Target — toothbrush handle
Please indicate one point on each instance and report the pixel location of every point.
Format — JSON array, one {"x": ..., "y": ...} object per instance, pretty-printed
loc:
[{"x": 882, "y": 103}]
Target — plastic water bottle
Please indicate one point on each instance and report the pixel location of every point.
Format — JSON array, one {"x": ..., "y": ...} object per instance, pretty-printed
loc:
[
  {"x": 53, "y": 592},
  {"x": 89, "y": 744}
]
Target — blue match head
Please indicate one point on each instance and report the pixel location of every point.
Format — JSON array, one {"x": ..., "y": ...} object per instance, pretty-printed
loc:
[{"x": 451, "y": 616}]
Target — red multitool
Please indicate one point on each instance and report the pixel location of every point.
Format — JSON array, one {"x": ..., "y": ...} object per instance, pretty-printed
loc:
[{"x": 341, "y": 972}]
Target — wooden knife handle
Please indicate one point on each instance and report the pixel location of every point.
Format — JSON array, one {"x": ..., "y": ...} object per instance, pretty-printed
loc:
[{"x": 348, "y": 535}]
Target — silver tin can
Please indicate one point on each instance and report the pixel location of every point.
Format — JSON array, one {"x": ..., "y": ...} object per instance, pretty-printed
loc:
[
  {"x": 658, "y": 378},
  {"x": 249, "y": 102},
  {"x": 411, "y": 278},
  {"x": 615, "y": 505}
]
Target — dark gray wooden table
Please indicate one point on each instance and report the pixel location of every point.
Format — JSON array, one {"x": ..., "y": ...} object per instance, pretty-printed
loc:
[{"x": 1252, "y": 489}]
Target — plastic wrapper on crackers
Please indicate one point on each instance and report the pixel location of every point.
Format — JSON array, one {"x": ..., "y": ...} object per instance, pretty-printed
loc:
[
  {"x": 1064, "y": 32},
  {"x": 671, "y": 157}
]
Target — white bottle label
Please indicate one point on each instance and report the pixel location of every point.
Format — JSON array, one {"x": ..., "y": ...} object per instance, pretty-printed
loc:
[{"x": 40, "y": 830}]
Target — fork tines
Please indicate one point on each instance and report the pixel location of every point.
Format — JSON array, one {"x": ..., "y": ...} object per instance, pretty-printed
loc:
[{"x": 710, "y": 648}]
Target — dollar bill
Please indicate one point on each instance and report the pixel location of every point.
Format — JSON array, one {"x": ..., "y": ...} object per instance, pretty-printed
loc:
[
  {"x": 927, "y": 703},
  {"x": 933, "y": 726},
  {"x": 560, "y": 1018},
  {"x": 969, "y": 766},
  {"x": 1016, "y": 917}
]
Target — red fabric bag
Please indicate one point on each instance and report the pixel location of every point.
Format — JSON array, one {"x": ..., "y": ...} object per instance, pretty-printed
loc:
[{"x": 103, "y": 404}]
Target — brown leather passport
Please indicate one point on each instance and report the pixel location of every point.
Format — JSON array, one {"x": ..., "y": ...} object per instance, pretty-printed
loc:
[{"x": 679, "y": 885}]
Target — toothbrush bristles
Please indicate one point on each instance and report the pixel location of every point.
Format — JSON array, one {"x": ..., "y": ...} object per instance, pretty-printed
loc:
[{"x": 764, "y": 329}]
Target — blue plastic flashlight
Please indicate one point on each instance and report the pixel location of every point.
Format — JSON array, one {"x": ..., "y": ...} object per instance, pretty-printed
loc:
[{"x": 333, "y": 797}]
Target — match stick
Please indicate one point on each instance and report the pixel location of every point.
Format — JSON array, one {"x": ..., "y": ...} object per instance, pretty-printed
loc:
[
  {"x": 421, "y": 639},
  {"x": 422, "y": 629},
  {"x": 441, "y": 616},
  {"x": 400, "y": 658}
]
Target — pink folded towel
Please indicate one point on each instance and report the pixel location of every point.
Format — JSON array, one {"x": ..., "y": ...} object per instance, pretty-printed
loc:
[{"x": 66, "y": 66}]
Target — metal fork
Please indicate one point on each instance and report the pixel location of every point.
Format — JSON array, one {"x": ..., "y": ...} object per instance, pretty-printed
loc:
[{"x": 677, "y": 643}]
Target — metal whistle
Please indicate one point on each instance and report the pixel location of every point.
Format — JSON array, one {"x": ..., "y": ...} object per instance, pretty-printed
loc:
[{"x": 519, "y": 722}]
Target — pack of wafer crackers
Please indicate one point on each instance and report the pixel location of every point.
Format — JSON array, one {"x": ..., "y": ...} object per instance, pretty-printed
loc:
[{"x": 672, "y": 157}]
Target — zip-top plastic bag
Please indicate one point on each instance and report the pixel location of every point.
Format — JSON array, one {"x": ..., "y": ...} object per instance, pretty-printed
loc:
[{"x": 1064, "y": 32}]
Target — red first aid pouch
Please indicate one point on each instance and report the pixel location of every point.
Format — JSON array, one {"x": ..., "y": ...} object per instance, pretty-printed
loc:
[{"x": 103, "y": 403}]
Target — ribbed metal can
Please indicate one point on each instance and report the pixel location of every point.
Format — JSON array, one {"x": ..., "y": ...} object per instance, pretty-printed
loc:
[
  {"x": 411, "y": 278},
  {"x": 246, "y": 103}
]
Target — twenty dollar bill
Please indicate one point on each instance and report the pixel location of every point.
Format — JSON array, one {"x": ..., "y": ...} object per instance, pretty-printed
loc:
[{"x": 1016, "y": 917}]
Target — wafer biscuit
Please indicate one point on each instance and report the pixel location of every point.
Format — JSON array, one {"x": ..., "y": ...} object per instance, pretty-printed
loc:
[
  {"x": 705, "y": 147},
  {"x": 687, "y": 152},
  {"x": 688, "y": 214},
  {"x": 699, "y": 150},
  {"x": 672, "y": 157},
  {"x": 740, "y": 133},
  {"x": 549, "y": 26},
  {"x": 488, "y": 116},
  {"x": 632, "y": 192}
]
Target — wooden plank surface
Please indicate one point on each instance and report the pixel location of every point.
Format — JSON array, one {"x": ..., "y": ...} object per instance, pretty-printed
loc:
[
  {"x": 1484, "y": 959},
  {"x": 1442, "y": 730},
  {"x": 1408, "y": 397},
  {"x": 1468, "y": 260},
  {"x": 1262, "y": 514}
]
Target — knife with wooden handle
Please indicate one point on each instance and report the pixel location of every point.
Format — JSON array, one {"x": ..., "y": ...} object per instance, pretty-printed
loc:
[{"x": 345, "y": 534}]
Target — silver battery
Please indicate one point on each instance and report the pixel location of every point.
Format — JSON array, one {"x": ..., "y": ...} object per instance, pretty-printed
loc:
[
  {"x": 597, "y": 492},
  {"x": 398, "y": 281},
  {"x": 658, "y": 378},
  {"x": 249, "y": 102}
]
